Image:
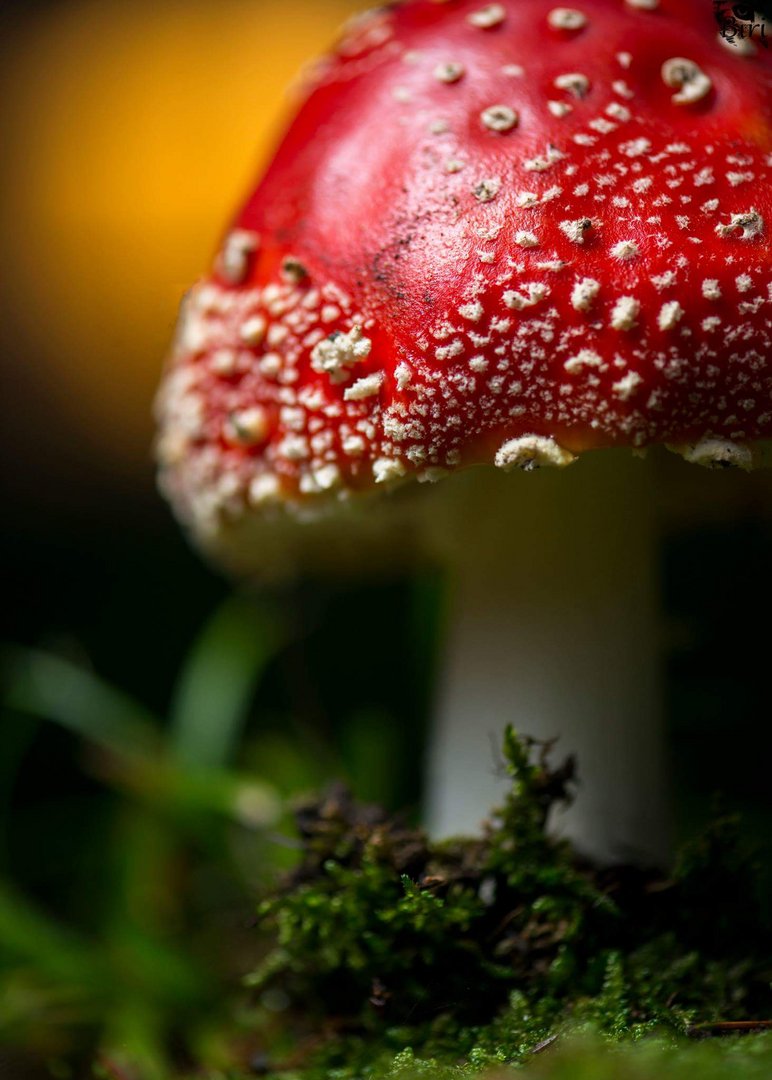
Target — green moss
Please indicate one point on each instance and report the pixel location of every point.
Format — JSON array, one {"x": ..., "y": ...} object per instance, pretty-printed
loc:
[{"x": 402, "y": 956}]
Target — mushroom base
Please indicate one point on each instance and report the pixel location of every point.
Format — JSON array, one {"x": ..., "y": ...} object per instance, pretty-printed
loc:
[{"x": 489, "y": 950}]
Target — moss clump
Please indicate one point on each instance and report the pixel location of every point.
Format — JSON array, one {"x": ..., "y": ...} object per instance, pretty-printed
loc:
[{"x": 399, "y": 954}]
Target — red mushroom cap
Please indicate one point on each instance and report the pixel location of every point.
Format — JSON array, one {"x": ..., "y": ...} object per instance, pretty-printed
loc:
[{"x": 504, "y": 233}]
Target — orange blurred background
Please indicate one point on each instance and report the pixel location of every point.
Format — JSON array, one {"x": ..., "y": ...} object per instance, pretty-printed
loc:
[{"x": 131, "y": 133}]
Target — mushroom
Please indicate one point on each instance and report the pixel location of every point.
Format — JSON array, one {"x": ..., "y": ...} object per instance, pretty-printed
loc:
[{"x": 500, "y": 236}]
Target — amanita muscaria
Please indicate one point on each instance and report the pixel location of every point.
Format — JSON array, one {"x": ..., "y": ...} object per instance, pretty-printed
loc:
[{"x": 498, "y": 235}]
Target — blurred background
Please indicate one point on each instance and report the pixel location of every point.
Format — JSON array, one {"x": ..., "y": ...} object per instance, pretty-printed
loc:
[{"x": 131, "y": 840}]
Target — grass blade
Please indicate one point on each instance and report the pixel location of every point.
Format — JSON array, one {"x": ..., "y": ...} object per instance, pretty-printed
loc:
[
  {"x": 30, "y": 936},
  {"x": 51, "y": 688},
  {"x": 215, "y": 689}
]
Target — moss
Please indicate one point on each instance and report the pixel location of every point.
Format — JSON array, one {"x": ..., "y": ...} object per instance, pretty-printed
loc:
[{"x": 402, "y": 956}]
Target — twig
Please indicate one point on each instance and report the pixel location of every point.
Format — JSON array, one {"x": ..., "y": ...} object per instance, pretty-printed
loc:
[
  {"x": 728, "y": 1027},
  {"x": 545, "y": 1044}
]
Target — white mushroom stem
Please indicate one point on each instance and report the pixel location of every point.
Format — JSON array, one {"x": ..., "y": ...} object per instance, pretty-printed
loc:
[{"x": 552, "y": 626}]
